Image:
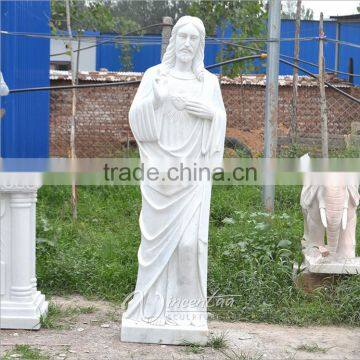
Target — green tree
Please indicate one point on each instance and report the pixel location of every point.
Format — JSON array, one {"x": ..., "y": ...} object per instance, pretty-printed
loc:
[
  {"x": 149, "y": 12},
  {"x": 246, "y": 19},
  {"x": 96, "y": 16},
  {"x": 289, "y": 11},
  {"x": 358, "y": 8},
  {"x": 93, "y": 15}
]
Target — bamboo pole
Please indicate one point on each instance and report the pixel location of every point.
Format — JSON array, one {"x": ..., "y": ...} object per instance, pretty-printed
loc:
[
  {"x": 73, "y": 108},
  {"x": 323, "y": 107}
]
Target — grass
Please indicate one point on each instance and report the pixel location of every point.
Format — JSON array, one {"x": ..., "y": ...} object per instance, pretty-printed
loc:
[
  {"x": 297, "y": 150},
  {"x": 251, "y": 256},
  {"x": 234, "y": 355},
  {"x": 25, "y": 352},
  {"x": 311, "y": 348},
  {"x": 218, "y": 341},
  {"x": 59, "y": 317},
  {"x": 193, "y": 348}
]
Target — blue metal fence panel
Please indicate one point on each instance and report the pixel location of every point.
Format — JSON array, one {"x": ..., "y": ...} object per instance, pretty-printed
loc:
[
  {"x": 143, "y": 56},
  {"x": 147, "y": 55},
  {"x": 25, "y": 63},
  {"x": 309, "y": 50},
  {"x": 108, "y": 55},
  {"x": 350, "y": 32}
]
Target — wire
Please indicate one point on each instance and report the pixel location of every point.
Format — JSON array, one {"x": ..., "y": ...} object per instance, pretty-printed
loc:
[
  {"x": 117, "y": 83},
  {"x": 111, "y": 40},
  {"x": 67, "y": 87},
  {"x": 326, "y": 83},
  {"x": 293, "y": 58},
  {"x": 243, "y": 58},
  {"x": 343, "y": 42},
  {"x": 119, "y": 39},
  {"x": 238, "y": 45},
  {"x": 42, "y": 36},
  {"x": 267, "y": 39},
  {"x": 56, "y": 36},
  {"x": 258, "y": 55},
  {"x": 308, "y": 73},
  {"x": 124, "y": 41},
  {"x": 316, "y": 65}
]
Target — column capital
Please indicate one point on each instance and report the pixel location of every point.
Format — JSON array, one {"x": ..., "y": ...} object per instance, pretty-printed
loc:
[{"x": 22, "y": 199}]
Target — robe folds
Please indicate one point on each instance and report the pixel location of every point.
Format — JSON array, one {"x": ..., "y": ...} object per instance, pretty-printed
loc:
[{"x": 171, "y": 286}]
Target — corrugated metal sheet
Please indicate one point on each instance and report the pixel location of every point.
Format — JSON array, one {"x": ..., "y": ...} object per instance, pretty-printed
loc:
[
  {"x": 25, "y": 63},
  {"x": 102, "y": 76},
  {"x": 146, "y": 56},
  {"x": 309, "y": 50},
  {"x": 142, "y": 56},
  {"x": 254, "y": 80},
  {"x": 350, "y": 32},
  {"x": 108, "y": 56}
]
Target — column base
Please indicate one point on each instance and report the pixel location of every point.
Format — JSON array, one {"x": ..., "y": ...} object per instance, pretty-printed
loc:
[
  {"x": 23, "y": 315},
  {"x": 132, "y": 331}
]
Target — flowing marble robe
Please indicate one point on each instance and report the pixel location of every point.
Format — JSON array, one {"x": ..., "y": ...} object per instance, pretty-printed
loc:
[{"x": 171, "y": 286}]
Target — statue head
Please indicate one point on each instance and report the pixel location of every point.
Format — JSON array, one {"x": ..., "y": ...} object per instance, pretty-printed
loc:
[{"x": 187, "y": 42}]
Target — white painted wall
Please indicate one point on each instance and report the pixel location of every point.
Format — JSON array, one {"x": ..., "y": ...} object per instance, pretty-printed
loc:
[{"x": 87, "y": 60}]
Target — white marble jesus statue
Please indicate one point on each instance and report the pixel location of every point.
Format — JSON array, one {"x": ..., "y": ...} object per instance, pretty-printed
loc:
[{"x": 177, "y": 115}]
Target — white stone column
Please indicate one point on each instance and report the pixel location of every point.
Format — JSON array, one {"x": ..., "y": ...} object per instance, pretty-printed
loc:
[
  {"x": 22, "y": 245},
  {"x": 21, "y": 304},
  {"x": 33, "y": 279}
]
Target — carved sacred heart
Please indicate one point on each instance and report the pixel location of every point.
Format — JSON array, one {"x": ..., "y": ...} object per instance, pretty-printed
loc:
[{"x": 178, "y": 101}]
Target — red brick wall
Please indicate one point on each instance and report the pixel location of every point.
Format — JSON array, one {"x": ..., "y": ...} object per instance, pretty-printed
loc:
[{"x": 102, "y": 126}]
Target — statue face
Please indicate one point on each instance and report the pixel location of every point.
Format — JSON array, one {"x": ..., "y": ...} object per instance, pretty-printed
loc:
[{"x": 187, "y": 42}]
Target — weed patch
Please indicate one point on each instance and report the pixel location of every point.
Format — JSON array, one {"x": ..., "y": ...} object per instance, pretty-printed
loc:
[
  {"x": 25, "y": 352},
  {"x": 251, "y": 254}
]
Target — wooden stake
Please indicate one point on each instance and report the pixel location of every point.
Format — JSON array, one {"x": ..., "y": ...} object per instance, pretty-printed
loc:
[
  {"x": 323, "y": 107},
  {"x": 293, "y": 127},
  {"x": 73, "y": 111}
]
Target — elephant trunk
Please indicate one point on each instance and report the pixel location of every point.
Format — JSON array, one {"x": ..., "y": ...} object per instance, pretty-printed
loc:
[{"x": 334, "y": 203}]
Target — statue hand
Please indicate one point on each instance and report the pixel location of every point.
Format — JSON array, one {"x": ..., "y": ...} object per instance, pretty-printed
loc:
[
  {"x": 178, "y": 101},
  {"x": 161, "y": 91},
  {"x": 199, "y": 109}
]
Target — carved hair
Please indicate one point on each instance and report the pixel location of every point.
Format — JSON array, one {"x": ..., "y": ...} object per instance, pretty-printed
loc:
[{"x": 168, "y": 60}]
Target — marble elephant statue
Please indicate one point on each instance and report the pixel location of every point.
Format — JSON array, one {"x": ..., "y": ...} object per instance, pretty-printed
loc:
[{"x": 330, "y": 211}]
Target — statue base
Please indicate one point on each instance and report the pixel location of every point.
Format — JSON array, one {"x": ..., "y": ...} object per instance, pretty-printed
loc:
[
  {"x": 23, "y": 315},
  {"x": 315, "y": 263},
  {"x": 309, "y": 282},
  {"x": 132, "y": 331},
  {"x": 322, "y": 271}
]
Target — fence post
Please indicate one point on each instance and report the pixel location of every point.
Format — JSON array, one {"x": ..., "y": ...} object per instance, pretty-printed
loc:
[
  {"x": 271, "y": 99},
  {"x": 323, "y": 108},
  {"x": 293, "y": 127},
  {"x": 74, "y": 72},
  {"x": 165, "y": 33}
]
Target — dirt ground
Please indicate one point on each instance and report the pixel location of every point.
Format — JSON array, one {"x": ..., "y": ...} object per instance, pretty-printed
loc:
[{"x": 96, "y": 336}]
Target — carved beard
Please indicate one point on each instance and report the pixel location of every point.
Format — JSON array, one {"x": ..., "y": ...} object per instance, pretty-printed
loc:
[{"x": 185, "y": 57}]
